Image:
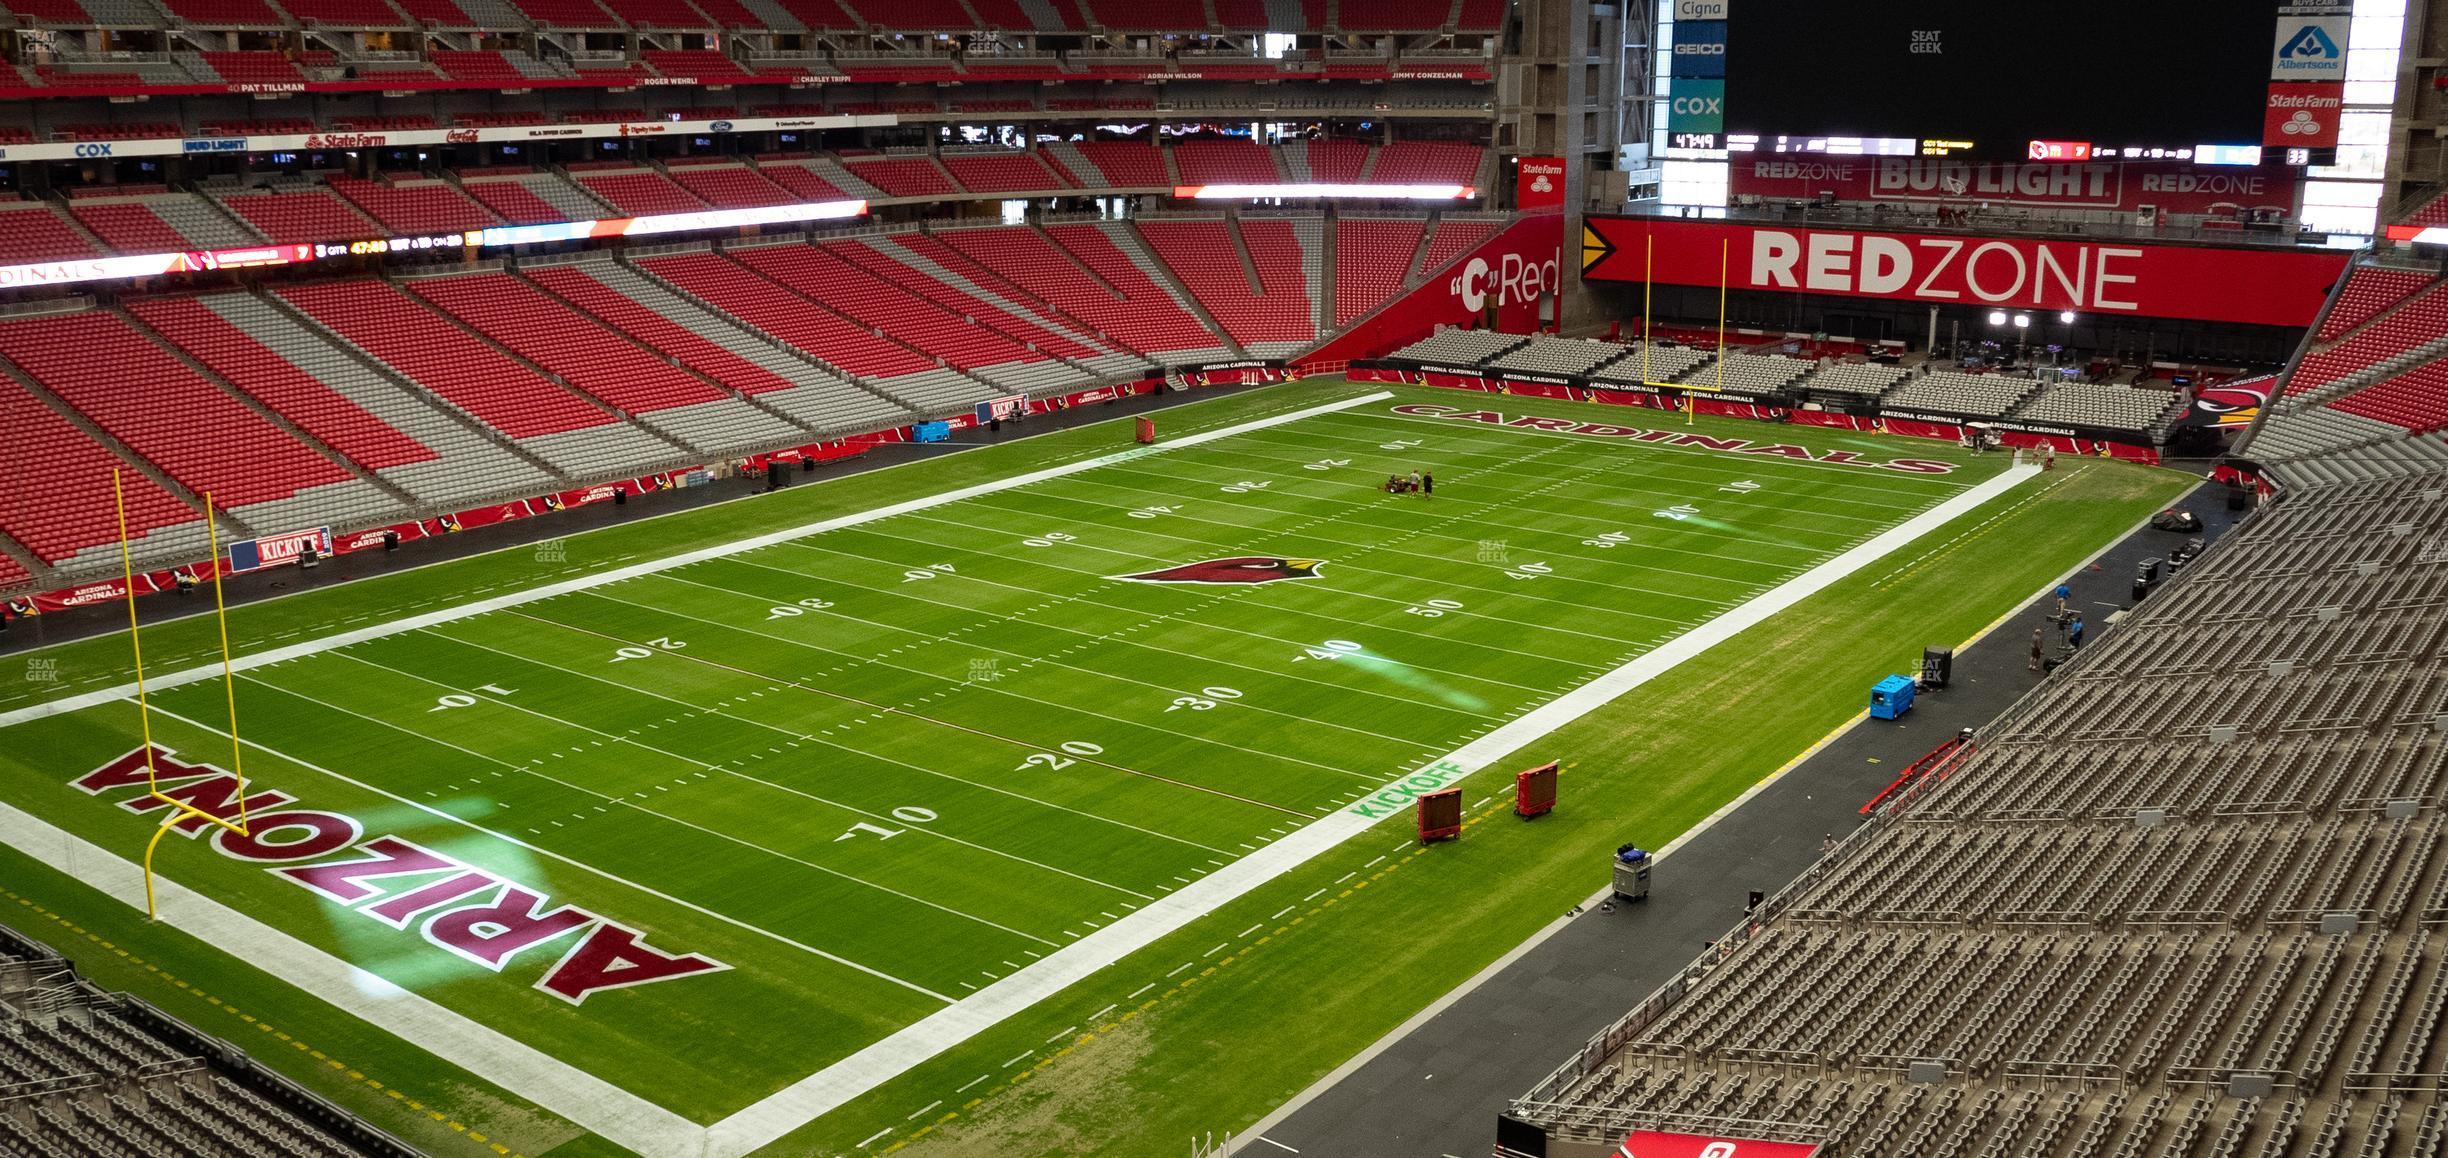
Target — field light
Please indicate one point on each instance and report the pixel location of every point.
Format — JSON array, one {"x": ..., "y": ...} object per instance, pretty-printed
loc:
[
  {"x": 1997, "y": 317},
  {"x": 2022, "y": 321},
  {"x": 2066, "y": 316}
]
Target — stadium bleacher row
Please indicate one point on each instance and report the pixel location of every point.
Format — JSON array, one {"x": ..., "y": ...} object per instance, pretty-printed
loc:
[
  {"x": 2375, "y": 371},
  {"x": 2187, "y": 897},
  {"x": 297, "y": 208},
  {"x": 358, "y": 401},
  {"x": 85, "y": 1076},
  {"x": 783, "y": 16},
  {"x": 1948, "y": 394}
]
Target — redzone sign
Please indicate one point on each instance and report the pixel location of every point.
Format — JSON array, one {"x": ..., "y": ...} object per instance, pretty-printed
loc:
[
  {"x": 2271, "y": 287},
  {"x": 456, "y": 907}
]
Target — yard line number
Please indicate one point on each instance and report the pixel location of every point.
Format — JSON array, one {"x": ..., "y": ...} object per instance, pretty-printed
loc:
[{"x": 1053, "y": 763}]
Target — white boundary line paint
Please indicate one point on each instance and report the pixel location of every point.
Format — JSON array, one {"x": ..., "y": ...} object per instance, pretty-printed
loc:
[
  {"x": 828, "y": 1089},
  {"x": 1283, "y": 1113},
  {"x": 547, "y": 1080},
  {"x": 632, "y": 1121},
  {"x": 478, "y": 607}
]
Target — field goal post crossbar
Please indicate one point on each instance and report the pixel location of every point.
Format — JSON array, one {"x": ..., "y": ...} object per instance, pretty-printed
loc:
[{"x": 181, "y": 811}]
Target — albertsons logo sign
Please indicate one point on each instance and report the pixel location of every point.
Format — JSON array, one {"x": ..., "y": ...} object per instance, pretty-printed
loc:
[{"x": 2310, "y": 48}]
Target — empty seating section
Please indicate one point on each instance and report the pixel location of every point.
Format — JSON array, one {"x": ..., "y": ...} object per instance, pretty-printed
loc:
[
  {"x": 732, "y": 288},
  {"x": 269, "y": 379},
  {"x": 816, "y": 14},
  {"x": 567, "y": 13},
  {"x": 1079, "y": 270},
  {"x": 1372, "y": 258},
  {"x": 1650, "y": 362},
  {"x": 1149, "y": 15},
  {"x": 1208, "y": 262},
  {"x": 703, "y": 66},
  {"x": 729, "y": 185},
  {"x": 484, "y": 66},
  {"x": 523, "y": 193},
  {"x": 1001, "y": 172},
  {"x": 2100, "y": 407},
  {"x": 420, "y": 206},
  {"x": 732, "y": 14},
  {"x": 2206, "y": 847},
  {"x": 1556, "y": 356},
  {"x": 802, "y": 182},
  {"x": 50, "y": 11},
  {"x": 1454, "y": 237},
  {"x": 562, "y": 341},
  {"x": 2369, "y": 290},
  {"x": 1226, "y": 161},
  {"x": 38, "y": 232},
  {"x": 1749, "y": 374},
  {"x": 579, "y": 286},
  {"x": 902, "y": 176},
  {"x": 1337, "y": 161},
  {"x": 254, "y": 68},
  {"x": 1123, "y": 165},
  {"x": 1460, "y": 348},
  {"x": 389, "y": 325},
  {"x": 1960, "y": 395},
  {"x": 58, "y": 500},
  {"x": 1427, "y": 163},
  {"x": 639, "y": 192},
  {"x": 911, "y": 15},
  {"x": 308, "y": 215},
  {"x": 1390, "y": 15},
  {"x": 346, "y": 13},
  {"x": 2394, "y": 339},
  {"x": 128, "y": 226},
  {"x": 2416, "y": 399},
  {"x": 844, "y": 288},
  {"x": 201, "y": 437},
  {"x": 225, "y": 13},
  {"x": 1854, "y": 381}
]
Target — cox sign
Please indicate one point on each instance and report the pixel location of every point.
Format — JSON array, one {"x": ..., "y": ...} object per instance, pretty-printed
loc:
[
  {"x": 1696, "y": 106},
  {"x": 1514, "y": 279}
]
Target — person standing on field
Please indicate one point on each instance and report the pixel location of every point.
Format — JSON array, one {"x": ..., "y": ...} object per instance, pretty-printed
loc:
[
  {"x": 2039, "y": 650},
  {"x": 1427, "y": 484}
]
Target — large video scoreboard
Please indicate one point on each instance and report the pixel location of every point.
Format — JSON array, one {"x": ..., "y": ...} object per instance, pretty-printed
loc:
[{"x": 2043, "y": 80}]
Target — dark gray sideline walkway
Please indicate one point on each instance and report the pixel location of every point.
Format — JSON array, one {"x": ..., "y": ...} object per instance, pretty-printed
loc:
[{"x": 1438, "y": 1089}]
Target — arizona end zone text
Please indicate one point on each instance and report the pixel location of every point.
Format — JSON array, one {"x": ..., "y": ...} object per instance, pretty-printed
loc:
[
  {"x": 1674, "y": 438},
  {"x": 455, "y": 907}
]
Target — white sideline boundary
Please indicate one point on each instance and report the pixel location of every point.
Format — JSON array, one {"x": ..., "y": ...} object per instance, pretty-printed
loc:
[
  {"x": 828, "y": 1089},
  {"x": 300, "y": 650},
  {"x": 639, "y": 1124},
  {"x": 1256, "y": 1131}
]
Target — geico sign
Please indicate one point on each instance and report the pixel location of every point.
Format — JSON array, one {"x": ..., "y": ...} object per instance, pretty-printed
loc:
[
  {"x": 1699, "y": 50},
  {"x": 2091, "y": 277},
  {"x": 1699, "y": 106},
  {"x": 1512, "y": 279}
]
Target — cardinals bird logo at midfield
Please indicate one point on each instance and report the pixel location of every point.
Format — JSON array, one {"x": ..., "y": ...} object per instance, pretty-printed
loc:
[{"x": 1237, "y": 569}]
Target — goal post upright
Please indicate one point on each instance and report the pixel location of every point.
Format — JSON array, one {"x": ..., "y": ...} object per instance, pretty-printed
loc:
[{"x": 181, "y": 811}]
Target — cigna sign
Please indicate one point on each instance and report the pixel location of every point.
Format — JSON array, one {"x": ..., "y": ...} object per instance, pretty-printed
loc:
[{"x": 2261, "y": 286}]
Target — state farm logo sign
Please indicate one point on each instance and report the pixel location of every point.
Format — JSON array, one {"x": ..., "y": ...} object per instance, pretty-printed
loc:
[
  {"x": 1513, "y": 279},
  {"x": 2303, "y": 116}
]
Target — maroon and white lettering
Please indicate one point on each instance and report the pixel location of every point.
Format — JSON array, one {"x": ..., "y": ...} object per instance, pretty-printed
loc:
[
  {"x": 464, "y": 910},
  {"x": 1669, "y": 438}
]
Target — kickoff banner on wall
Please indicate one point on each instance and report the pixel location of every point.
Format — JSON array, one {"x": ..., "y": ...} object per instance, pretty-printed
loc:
[{"x": 2092, "y": 277}]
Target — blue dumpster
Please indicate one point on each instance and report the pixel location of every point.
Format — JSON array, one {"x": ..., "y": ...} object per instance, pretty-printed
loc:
[{"x": 1891, "y": 697}]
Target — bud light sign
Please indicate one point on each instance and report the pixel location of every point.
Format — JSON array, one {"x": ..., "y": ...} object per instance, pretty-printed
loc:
[{"x": 256, "y": 554}]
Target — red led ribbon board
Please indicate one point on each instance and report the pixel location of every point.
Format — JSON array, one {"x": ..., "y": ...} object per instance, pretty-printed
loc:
[
  {"x": 1440, "y": 815},
  {"x": 1655, "y": 1144},
  {"x": 1534, "y": 791},
  {"x": 2092, "y": 276}
]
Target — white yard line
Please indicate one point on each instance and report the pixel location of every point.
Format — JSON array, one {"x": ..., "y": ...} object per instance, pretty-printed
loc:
[
  {"x": 163, "y": 681},
  {"x": 828, "y": 1089}
]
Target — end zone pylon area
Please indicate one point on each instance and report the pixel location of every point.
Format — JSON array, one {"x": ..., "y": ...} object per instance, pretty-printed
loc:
[{"x": 180, "y": 810}]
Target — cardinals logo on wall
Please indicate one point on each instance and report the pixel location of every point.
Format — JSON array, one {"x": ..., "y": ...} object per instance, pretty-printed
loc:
[{"x": 1238, "y": 569}]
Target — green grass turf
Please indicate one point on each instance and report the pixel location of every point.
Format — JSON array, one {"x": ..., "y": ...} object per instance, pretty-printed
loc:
[{"x": 723, "y": 782}]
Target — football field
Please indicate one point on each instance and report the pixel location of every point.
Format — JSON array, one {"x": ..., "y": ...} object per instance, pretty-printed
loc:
[{"x": 694, "y": 847}]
